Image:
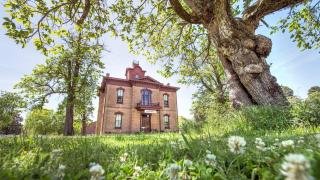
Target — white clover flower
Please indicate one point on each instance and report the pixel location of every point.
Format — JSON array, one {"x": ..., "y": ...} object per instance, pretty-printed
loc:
[
  {"x": 210, "y": 159},
  {"x": 287, "y": 143},
  {"x": 173, "y": 171},
  {"x": 236, "y": 144},
  {"x": 137, "y": 170},
  {"x": 96, "y": 171},
  {"x": 208, "y": 152},
  {"x": 295, "y": 167},
  {"x": 123, "y": 158},
  {"x": 187, "y": 162},
  {"x": 60, "y": 172},
  {"x": 260, "y": 144},
  {"x": 56, "y": 153}
]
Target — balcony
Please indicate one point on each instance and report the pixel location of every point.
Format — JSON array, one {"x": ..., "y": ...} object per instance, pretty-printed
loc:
[{"x": 151, "y": 106}]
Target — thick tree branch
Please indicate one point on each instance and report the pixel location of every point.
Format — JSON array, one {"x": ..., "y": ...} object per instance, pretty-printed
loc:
[
  {"x": 85, "y": 13},
  {"x": 182, "y": 13},
  {"x": 262, "y": 8}
]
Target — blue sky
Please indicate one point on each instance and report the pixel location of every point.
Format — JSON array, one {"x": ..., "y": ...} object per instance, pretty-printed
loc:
[{"x": 292, "y": 67}]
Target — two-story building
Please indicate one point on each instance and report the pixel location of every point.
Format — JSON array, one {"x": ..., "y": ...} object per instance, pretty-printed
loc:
[{"x": 137, "y": 103}]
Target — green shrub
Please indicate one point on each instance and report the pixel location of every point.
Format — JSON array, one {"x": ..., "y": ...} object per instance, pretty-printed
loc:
[
  {"x": 307, "y": 111},
  {"x": 267, "y": 117}
]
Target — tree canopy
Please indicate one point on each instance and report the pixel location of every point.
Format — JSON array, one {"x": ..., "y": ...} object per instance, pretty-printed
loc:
[
  {"x": 178, "y": 33},
  {"x": 11, "y": 105}
]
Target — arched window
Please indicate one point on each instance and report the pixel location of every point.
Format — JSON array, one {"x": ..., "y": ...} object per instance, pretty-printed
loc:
[
  {"x": 166, "y": 121},
  {"x": 118, "y": 120},
  {"x": 145, "y": 97},
  {"x": 120, "y": 92},
  {"x": 166, "y": 100}
]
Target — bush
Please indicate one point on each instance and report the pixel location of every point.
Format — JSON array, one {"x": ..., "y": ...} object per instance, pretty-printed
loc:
[
  {"x": 44, "y": 121},
  {"x": 307, "y": 111},
  {"x": 267, "y": 117}
]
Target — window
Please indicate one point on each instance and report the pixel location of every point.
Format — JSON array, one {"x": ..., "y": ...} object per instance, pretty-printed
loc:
[
  {"x": 137, "y": 76},
  {"x": 118, "y": 120},
  {"x": 166, "y": 121},
  {"x": 120, "y": 95},
  {"x": 145, "y": 97},
  {"x": 166, "y": 100}
]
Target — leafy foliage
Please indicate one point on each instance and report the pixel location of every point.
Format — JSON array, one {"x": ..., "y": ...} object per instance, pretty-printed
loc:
[
  {"x": 71, "y": 71},
  {"x": 11, "y": 105},
  {"x": 44, "y": 121},
  {"x": 303, "y": 25},
  {"x": 288, "y": 92},
  {"x": 313, "y": 89},
  {"x": 47, "y": 22},
  {"x": 307, "y": 111}
]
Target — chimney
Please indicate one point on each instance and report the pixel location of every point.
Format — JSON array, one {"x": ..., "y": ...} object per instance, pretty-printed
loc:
[
  {"x": 168, "y": 84},
  {"x": 107, "y": 75}
]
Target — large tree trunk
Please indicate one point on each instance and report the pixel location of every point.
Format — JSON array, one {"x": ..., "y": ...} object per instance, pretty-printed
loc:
[{"x": 243, "y": 56}]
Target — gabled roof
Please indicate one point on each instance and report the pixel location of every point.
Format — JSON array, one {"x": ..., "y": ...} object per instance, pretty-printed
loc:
[{"x": 150, "y": 79}]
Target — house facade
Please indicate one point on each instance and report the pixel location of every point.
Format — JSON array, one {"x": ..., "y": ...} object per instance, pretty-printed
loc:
[{"x": 137, "y": 103}]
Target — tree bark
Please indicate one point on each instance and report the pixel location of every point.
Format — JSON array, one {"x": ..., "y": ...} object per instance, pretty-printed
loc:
[
  {"x": 68, "y": 127},
  {"x": 84, "y": 124},
  {"x": 243, "y": 55}
]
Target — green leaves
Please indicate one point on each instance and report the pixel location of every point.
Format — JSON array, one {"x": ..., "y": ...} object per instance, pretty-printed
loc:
[
  {"x": 11, "y": 105},
  {"x": 303, "y": 25}
]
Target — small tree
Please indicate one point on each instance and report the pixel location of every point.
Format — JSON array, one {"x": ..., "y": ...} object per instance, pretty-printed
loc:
[
  {"x": 313, "y": 89},
  {"x": 288, "y": 92},
  {"x": 44, "y": 122},
  {"x": 10, "y": 108},
  {"x": 71, "y": 71}
]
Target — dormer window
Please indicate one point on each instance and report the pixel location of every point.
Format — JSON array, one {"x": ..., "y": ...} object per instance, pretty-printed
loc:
[
  {"x": 120, "y": 92},
  {"x": 166, "y": 100}
]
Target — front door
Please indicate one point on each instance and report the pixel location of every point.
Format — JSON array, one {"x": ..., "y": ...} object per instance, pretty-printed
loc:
[{"x": 145, "y": 122}]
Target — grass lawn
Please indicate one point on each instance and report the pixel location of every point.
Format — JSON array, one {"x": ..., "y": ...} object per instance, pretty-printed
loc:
[{"x": 208, "y": 154}]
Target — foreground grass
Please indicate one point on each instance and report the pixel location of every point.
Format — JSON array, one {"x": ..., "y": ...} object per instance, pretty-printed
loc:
[{"x": 156, "y": 156}]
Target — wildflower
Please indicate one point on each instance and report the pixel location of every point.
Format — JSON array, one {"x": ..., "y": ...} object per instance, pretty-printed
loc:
[
  {"x": 301, "y": 140},
  {"x": 56, "y": 152},
  {"x": 172, "y": 171},
  {"x": 96, "y": 171},
  {"x": 295, "y": 167},
  {"x": 137, "y": 170},
  {"x": 123, "y": 158},
  {"x": 60, "y": 172},
  {"x": 210, "y": 159},
  {"x": 287, "y": 143},
  {"x": 187, "y": 162},
  {"x": 236, "y": 144},
  {"x": 208, "y": 152},
  {"x": 260, "y": 144}
]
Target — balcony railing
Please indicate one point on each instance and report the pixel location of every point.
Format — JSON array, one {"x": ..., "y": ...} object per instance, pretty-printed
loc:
[{"x": 153, "y": 106}]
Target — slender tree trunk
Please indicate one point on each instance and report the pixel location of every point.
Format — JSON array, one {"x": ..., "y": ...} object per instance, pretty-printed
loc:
[
  {"x": 84, "y": 124},
  {"x": 68, "y": 128}
]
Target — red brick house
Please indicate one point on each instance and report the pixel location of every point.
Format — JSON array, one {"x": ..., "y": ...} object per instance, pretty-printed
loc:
[
  {"x": 137, "y": 103},
  {"x": 91, "y": 128}
]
